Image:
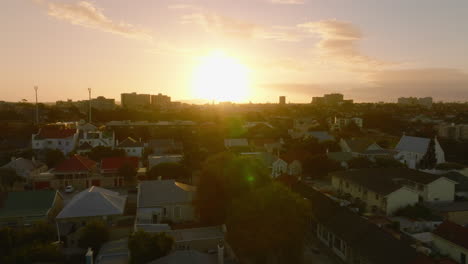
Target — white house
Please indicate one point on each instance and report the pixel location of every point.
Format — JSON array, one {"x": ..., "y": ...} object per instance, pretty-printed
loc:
[
  {"x": 411, "y": 150},
  {"x": 339, "y": 123},
  {"x": 450, "y": 239},
  {"x": 282, "y": 166},
  {"x": 388, "y": 189},
  {"x": 132, "y": 147},
  {"x": 90, "y": 136},
  {"x": 53, "y": 137},
  {"x": 359, "y": 146}
]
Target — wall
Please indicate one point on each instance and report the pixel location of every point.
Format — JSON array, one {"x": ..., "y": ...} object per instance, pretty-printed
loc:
[
  {"x": 448, "y": 248},
  {"x": 440, "y": 190},
  {"x": 460, "y": 217},
  {"x": 400, "y": 198}
]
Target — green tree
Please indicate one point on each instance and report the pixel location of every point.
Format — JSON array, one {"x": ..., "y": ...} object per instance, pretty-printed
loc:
[
  {"x": 145, "y": 247},
  {"x": 8, "y": 177},
  {"x": 100, "y": 152},
  {"x": 168, "y": 170},
  {"x": 224, "y": 177},
  {"x": 93, "y": 235},
  {"x": 429, "y": 159},
  {"x": 269, "y": 223},
  {"x": 53, "y": 157},
  {"x": 317, "y": 166},
  {"x": 360, "y": 163},
  {"x": 128, "y": 172}
]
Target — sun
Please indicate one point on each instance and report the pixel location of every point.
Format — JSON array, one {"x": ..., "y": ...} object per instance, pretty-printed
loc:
[{"x": 219, "y": 77}]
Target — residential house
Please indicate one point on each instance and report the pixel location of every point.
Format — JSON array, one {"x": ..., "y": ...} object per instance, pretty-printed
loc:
[
  {"x": 411, "y": 150},
  {"x": 115, "y": 251},
  {"x": 233, "y": 143},
  {"x": 28, "y": 207},
  {"x": 389, "y": 189},
  {"x": 165, "y": 200},
  {"x": 456, "y": 212},
  {"x": 320, "y": 136},
  {"x": 90, "y": 137},
  {"x": 352, "y": 238},
  {"x": 92, "y": 204},
  {"x": 363, "y": 147},
  {"x": 269, "y": 145},
  {"x": 132, "y": 147},
  {"x": 26, "y": 168},
  {"x": 339, "y": 123},
  {"x": 55, "y": 137},
  {"x": 289, "y": 163},
  {"x": 110, "y": 169},
  {"x": 301, "y": 126},
  {"x": 154, "y": 160},
  {"x": 452, "y": 131},
  {"x": 77, "y": 171},
  {"x": 166, "y": 146},
  {"x": 452, "y": 240},
  {"x": 341, "y": 157}
]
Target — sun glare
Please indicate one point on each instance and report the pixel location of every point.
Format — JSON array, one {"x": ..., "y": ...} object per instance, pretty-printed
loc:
[{"x": 220, "y": 77}]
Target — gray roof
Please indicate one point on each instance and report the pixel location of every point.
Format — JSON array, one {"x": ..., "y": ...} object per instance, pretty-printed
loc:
[
  {"x": 413, "y": 144},
  {"x": 23, "y": 164},
  {"x": 340, "y": 156},
  {"x": 94, "y": 201},
  {"x": 321, "y": 135},
  {"x": 130, "y": 143},
  {"x": 155, "y": 193},
  {"x": 199, "y": 233},
  {"x": 186, "y": 257},
  {"x": 115, "y": 252},
  {"x": 235, "y": 142}
]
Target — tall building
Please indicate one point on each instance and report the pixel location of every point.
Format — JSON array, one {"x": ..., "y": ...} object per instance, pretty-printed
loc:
[
  {"x": 103, "y": 103},
  {"x": 423, "y": 101},
  {"x": 134, "y": 100},
  {"x": 330, "y": 99},
  {"x": 160, "y": 100},
  {"x": 282, "y": 100}
]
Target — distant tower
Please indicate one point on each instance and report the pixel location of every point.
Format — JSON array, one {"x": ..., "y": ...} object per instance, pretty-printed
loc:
[
  {"x": 89, "y": 92},
  {"x": 37, "y": 107},
  {"x": 282, "y": 100}
]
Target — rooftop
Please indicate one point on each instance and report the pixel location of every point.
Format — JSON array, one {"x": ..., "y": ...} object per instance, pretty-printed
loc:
[
  {"x": 454, "y": 233},
  {"x": 27, "y": 203},
  {"x": 413, "y": 144},
  {"x": 154, "y": 193},
  {"x": 75, "y": 163}
]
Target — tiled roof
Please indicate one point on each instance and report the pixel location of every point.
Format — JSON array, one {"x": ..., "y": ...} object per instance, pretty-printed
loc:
[
  {"x": 75, "y": 164},
  {"x": 130, "y": 143},
  {"x": 114, "y": 163},
  {"x": 54, "y": 132},
  {"x": 413, "y": 144},
  {"x": 366, "y": 239},
  {"x": 383, "y": 180},
  {"x": 27, "y": 203},
  {"x": 454, "y": 233}
]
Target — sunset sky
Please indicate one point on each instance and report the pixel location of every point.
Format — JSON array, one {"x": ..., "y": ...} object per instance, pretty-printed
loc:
[{"x": 367, "y": 49}]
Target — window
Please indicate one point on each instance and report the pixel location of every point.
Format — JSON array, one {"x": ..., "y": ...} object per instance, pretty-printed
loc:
[{"x": 177, "y": 212}]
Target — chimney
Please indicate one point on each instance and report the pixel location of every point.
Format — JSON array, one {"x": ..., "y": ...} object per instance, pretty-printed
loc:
[
  {"x": 221, "y": 252},
  {"x": 89, "y": 256}
]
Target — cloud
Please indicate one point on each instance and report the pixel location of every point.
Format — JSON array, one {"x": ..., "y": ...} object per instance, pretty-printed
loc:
[
  {"x": 288, "y": 2},
  {"x": 338, "y": 44},
  {"x": 86, "y": 14},
  {"x": 442, "y": 83},
  {"x": 215, "y": 23}
]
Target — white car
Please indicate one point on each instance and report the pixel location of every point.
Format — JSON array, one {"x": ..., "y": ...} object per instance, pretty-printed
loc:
[{"x": 69, "y": 189}]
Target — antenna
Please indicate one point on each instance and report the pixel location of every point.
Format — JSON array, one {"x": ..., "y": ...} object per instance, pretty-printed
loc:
[
  {"x": 37, "y": 106},
  {"x": 89, "y": 91}
]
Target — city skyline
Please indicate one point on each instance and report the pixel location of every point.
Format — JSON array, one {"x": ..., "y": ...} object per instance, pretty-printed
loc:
[{"x": 299, "y": 49}]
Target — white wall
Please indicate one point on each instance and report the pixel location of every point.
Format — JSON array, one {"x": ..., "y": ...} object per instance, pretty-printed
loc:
[
  {"x": 401, "y": 198},
  {"x": 448, "y": 248},
  {"x": 441, "y": 189}
]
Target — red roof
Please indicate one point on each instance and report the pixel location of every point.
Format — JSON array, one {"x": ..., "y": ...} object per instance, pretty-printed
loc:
[
  {"x": 76, "y": 163},
  {"x": 114, "y": 163},
  {"x": 55, "y": 132},
  {"x": 454, "y": 233}
]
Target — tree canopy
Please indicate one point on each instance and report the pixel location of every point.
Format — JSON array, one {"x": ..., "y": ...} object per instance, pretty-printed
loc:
[
  {"x": 224, "y": 177},
  {"x": 269, "y": 223},
  {"x": 145, "y": 247},
  {"x": 53, "y": 157},
  {"x": 93, "y": 235}
]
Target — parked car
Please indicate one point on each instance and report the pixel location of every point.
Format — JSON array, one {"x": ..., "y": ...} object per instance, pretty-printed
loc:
[{"x": 69, "y": 189}]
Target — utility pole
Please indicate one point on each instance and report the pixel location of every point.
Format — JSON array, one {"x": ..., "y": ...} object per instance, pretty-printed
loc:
[
  {"x": 37, "y": 107},
  {"x": 89, "y": 91}
]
